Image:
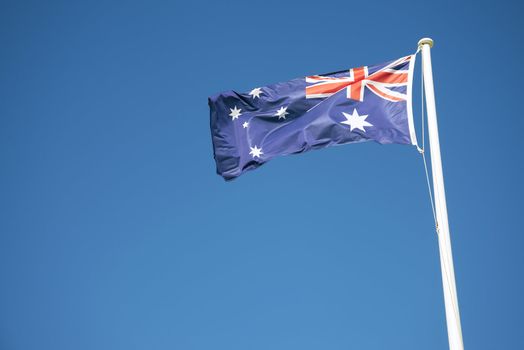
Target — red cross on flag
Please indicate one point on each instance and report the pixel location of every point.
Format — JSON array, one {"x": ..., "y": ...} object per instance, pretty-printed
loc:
[{"x": 379, "y": 82}]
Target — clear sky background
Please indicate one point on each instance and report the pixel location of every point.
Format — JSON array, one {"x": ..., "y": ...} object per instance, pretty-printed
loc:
[{"x": 116, "y": 233}]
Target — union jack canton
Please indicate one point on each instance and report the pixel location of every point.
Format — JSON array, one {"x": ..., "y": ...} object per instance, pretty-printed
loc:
[{"x": 370, "y": 103}]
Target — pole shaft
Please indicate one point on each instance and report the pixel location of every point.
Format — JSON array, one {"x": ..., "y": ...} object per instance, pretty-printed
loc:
[{"x": 446, "y": 258}]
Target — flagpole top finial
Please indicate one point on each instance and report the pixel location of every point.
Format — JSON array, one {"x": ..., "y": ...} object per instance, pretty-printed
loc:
[{"x": 423, "y": 41}]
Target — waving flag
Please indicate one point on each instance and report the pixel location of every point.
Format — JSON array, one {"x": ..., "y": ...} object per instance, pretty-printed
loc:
[{"x": 371, "y": 103}]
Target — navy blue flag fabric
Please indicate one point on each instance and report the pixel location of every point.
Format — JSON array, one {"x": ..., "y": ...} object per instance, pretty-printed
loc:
[{"x": 370, "y": 103}]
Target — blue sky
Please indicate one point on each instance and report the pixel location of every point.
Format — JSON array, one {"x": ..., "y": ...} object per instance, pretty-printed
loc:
[{"x": 116, "y": 233}]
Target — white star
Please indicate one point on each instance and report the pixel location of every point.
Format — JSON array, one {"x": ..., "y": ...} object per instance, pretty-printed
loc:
[
  {"x": 256, "y": 92},
  {"x": 256, "y": 152},
  {"x": 235, "y": 113},
  {"x": 245, "y": 125},
  {"x": 356, "y": 121},
  {"x": 281, "y": 113}
]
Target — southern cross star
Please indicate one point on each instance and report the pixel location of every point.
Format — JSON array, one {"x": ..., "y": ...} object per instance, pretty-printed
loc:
[
  {"x": 281, "y": 113},
  {"x": 245, "y": 125},
  {"x": 256, "y": 152},
  {"x": 235, "y": 113},
  {"x": 356, "y": 121},
  {"x": 255, "y": 92}
]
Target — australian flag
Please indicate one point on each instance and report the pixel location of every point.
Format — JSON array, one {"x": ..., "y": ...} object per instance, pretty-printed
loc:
[{"x": 370, "y": 103}]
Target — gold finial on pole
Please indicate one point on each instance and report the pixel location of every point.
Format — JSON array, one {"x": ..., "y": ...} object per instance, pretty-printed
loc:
[{"x": 423, "y": 41}]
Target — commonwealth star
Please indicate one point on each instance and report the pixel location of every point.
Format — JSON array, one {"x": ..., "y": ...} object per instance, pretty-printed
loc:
[{"x": 355, "y": 121}]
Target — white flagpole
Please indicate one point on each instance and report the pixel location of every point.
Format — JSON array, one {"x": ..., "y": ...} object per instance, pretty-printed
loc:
[{"x": 446, "y": 258}]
